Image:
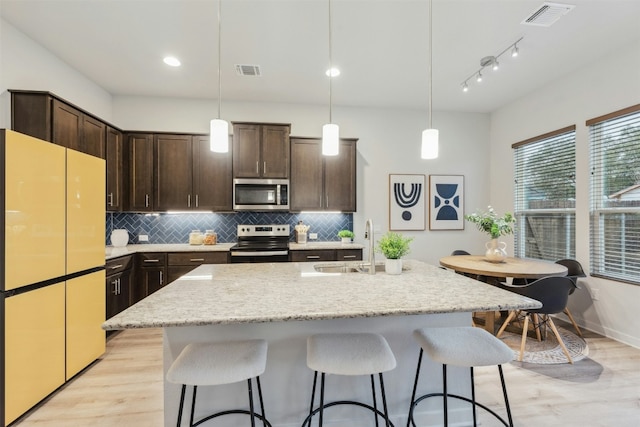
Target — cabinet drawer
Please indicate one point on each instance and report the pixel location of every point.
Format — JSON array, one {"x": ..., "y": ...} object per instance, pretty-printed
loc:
[
  {"x": 312, "y": 256},
  {"x": 349, "y": 255},
  {"x": 151, "y": 259},
  {"x": 197, "y": 258},
  {"x": 119, "y": 264}
]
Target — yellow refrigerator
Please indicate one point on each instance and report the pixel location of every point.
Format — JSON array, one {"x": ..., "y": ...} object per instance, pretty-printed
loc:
[{"x": 52, "y": 298}]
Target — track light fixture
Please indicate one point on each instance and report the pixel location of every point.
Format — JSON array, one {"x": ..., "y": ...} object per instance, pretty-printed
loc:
[{"x": 492, "y": 62}]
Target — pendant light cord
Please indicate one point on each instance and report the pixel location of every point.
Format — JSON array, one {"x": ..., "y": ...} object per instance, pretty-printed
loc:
[
  {"x": 219, "y": 55},
  {"x": 330, "y": 68},
  {"x": 430, "y": 63}
]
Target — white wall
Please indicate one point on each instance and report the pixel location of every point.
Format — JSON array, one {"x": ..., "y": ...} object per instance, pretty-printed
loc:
[
  {"x": 607, "y": 85},
  {"x": 24, "y": 64},
  {"x": 389, "y": 142}
]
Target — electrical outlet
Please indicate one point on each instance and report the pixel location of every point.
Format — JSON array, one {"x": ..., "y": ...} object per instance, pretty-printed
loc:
[
  {"x": 143, "y": 238},
  {"x": 313, "y": 236},
  {"x": 595, "y": 294}
]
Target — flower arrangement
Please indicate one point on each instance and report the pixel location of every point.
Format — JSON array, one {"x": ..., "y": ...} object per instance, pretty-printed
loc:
[
  {"x": 490, "y": 223},
  {"x": 394, "y": 245}
]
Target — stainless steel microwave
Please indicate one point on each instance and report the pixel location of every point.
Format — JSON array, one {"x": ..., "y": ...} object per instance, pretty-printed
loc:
[{"x": 260, "y": 194}]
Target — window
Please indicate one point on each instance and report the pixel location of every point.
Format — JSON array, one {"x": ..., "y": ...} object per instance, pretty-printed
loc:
[
  {"x": 545, "y": 195},
  {"x": 615, "y": 195}
]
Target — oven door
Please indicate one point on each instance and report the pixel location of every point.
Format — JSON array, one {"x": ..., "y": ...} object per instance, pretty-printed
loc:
[
  {"x": 259, "y": 256},
  {"x": 260, "y": 194}
]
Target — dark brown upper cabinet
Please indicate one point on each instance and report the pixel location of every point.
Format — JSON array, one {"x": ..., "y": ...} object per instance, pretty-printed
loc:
[{"x": 261, "y": 150}]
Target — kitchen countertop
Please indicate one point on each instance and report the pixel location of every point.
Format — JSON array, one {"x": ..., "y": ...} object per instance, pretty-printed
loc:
[
  {"x": 112, "y": 252},
  {"x": 277, "y": 292}
]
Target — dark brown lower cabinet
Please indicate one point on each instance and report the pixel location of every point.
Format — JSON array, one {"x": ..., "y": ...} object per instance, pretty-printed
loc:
[
  {"x": 119, "y": 278},
  {"x": 180, "y": 263},
  {"x": 326, "y": 255},
  {"x": 151, "y": 274}
]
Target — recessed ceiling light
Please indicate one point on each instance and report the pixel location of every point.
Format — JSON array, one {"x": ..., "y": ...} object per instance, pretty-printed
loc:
[
  {"x": 172, "y": 61},
  {"x": 332, "y": 72}
]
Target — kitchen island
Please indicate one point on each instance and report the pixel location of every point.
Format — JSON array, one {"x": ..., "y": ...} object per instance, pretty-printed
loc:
[{"x": 285, "y": 302}]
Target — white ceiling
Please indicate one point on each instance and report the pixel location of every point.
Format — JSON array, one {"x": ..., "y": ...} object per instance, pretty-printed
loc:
[{"x": 381, "y": 46}]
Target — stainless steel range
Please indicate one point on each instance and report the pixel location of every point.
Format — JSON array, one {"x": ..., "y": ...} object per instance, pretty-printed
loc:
[{"x": 262, "y": 243}]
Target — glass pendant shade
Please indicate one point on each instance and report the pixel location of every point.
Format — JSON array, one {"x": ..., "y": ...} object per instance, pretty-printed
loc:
[
  {"x": 219, "y": 136},
  {"x": 430, "y": 144},
  {"x": 330, "y": 139}
]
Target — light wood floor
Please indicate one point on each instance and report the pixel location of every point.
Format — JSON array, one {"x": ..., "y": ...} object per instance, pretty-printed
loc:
[{"x": 124, "y": 389}]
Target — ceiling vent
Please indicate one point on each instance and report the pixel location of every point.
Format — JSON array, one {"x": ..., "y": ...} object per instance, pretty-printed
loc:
[
  {"x": 248, "y": 70},
  {"x": 547, "y": 14}
]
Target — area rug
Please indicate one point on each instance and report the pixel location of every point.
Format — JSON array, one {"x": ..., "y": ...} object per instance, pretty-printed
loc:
[{"x": 548, "y": 351}]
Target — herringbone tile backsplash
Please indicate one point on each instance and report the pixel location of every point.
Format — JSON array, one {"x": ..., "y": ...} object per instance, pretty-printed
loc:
[{"x": 175, "y": 228}]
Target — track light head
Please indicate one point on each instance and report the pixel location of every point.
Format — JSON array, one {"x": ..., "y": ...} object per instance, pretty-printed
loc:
[
  {"x": 465, "y": 87},
  {"x": 515, "y": 51},
  {"x": 479, "y": 78},
  {"x": 496, "y": 65}
]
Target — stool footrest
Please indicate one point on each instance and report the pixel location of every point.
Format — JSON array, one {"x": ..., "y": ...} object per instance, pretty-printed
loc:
[
  {"x": 455, "y": 396},
  {"x": 232, "y": 411},
  {"x": 307, "y": 421}
]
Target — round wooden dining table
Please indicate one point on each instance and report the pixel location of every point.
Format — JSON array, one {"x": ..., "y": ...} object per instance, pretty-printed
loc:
[{"x": 492, "y": 272}]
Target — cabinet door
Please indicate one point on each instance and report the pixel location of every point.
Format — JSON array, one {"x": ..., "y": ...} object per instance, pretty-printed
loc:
[
  {"x": 140, "y": 149},
  {"x": 306, "y": 174},
  {"x": 85, "y": 312},
  {"x": 173, "y": 173},
  {"x": 275, "y": 151},
  {"x": 115, "y": 171},
  {"x": 212, "y": 177},
  {"x": 93, "y": 137},
  {"x": 340, "y": 179},
  {"x": 154, "y": 279},
  {"x": 246, "y": 151},
  {"x": 118, "y": 292},
  {"x": 67, "y": 126}
]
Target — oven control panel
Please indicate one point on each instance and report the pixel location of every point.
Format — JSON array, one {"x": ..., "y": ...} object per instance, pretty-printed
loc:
[{"x": 271, "y": 230}]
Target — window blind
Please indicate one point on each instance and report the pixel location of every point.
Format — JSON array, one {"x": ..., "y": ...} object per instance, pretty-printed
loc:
[
  {"x": 544, "y": 169},
  {"x": 615, "y": 195}
]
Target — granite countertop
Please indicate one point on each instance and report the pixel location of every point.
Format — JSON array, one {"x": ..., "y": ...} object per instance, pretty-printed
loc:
[
  {"x": 112, "y": 252},
  {"x": 276, "y": 292}
]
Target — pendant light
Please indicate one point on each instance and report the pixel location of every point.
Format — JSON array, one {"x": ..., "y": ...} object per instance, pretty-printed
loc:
[
  {"x": 330, "y": 131},
  {"x": 219, "y": 129},
  {"x": 430, "y": 135}
]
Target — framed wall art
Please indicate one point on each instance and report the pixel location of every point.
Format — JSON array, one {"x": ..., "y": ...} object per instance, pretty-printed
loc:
[
  {"x": 446, "y": 202},
  {"x": 407, "y": 205}
]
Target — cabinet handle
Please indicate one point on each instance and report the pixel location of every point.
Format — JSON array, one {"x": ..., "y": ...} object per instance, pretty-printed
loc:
[
  {"x": 197, "y": 204},
  {"x": 151, "y": 260},
  {"x": 264, "y": 168},
  {"x": 327, "y": 200},
  {"x": 313, "y": 256},
  {"x": 116, "y": 266},
  {"x": 161, "y": 278},
  {"x": 348, "y": 256},
  {"x": 115, "y": 287},
  {"x": 110, "y": 199},
  {"x": 146, "y": 200},
  {"x": 119, "y": 287},
  {"x": 189, "y": 201},
  {"x": 197, "y": 260},
  {"x": 257, "y": 167}
]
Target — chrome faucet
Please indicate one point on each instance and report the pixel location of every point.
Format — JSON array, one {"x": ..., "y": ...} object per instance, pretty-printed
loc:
[{"x": 368, "y": 234}]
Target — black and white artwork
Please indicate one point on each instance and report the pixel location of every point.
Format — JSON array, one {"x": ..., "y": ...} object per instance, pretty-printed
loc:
[
  {"x": 446, "y": 202},
  {"x": 407, "y": 195}
]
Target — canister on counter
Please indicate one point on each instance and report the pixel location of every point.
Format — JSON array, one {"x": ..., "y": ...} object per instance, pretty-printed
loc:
[
  {"x": 196, "y": 237},
  {"x": 210, "y": 237}
]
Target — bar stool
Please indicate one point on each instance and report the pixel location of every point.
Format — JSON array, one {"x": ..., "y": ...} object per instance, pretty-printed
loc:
[
  {"x": 349, "y": 354},
  {"x": 461, "y": 346},
  {"x": 209, "y": 364}
]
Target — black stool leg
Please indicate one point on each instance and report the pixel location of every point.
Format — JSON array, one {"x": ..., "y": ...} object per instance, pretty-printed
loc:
[
  {"x": 413, "y": 395},
  {"x": 444, "y": 395},
  {"x": 321, "y": 398},
  {"x": 473, "y": 398},
  {"x": 193, "y": 404},
  {"x": 384, "y": 402},
  {"x": 184, "y": 389},
  {"x": 375, "y": 401},
  {"x": 313, "y": 396},
  {"x": 506, "y": 399},
  {"x": 264, "y": 417},
  {"x": 251, "y": 411}
]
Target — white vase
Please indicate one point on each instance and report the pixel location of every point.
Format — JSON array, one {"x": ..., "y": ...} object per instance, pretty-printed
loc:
[
  {"x": 496, "y": 251},
  {"x": 393, "y": 266},
  {"x": 119, "y": 238}
]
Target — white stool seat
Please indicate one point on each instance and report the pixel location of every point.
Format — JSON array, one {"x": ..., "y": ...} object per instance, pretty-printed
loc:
[
  {"x": 463, "y": 346},
  {"x": 349, "y": 354},
  {"x": 209, "y": 364}
]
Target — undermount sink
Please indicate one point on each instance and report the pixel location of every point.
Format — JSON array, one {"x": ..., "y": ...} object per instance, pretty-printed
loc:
[{"x": 346, "y": 268}]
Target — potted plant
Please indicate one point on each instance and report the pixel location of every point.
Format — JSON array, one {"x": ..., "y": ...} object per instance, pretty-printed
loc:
[
  {"x": 495, "y": 226},
  {"x": 394, "y": 246},
  {"x": 346, "y": 235}
]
